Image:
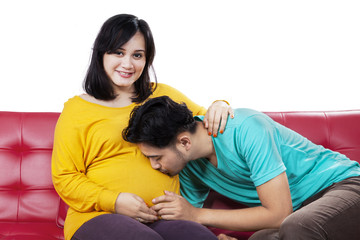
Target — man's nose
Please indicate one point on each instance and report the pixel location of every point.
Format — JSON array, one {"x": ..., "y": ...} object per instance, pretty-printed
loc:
[{"x": 155, "y": 165}]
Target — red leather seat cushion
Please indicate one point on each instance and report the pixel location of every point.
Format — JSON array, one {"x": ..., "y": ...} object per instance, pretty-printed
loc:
[
  {"x": 29, "y": 205},
  {"x": 30, "y": 231}
]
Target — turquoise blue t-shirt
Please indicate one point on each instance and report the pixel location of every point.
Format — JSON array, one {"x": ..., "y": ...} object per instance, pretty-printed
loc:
[{"x": 253, "y": 150}]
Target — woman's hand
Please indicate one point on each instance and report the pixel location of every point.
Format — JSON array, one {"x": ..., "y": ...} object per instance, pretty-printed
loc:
[
  {"x": 174, "y": 207},
  {"x": 132, "y": 205},
  {"x": 225, "y": 237},
  {"x": 216, "y": 117}
]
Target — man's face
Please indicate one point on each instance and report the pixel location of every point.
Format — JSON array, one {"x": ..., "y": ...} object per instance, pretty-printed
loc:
[{"x": 167, "y": 160}]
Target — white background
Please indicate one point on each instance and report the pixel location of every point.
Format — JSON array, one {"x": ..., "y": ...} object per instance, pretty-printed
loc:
[{"x": 267, "y": 55}]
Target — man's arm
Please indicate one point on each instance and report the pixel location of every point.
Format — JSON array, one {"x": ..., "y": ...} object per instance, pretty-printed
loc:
[{"x": 274, "y": 196}]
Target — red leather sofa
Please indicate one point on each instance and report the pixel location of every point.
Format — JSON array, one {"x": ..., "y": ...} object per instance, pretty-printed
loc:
[{"x": 31, "y": 209}]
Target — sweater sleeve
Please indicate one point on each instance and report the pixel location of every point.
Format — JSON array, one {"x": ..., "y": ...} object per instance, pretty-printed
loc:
[
  {"x": 69, "y": 168},
  {"x": 177, "y": 96}
]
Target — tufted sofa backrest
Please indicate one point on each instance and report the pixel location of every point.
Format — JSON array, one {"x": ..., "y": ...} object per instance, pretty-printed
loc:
[
  {"x": 26, "y": 190},
  {"x": 26, "y": 140},
  {"x": 335, "y": 130}
]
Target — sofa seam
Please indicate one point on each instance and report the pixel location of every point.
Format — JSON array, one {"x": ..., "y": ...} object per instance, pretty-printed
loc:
[
  {"x": 327, "y": 121},
  {"x": 283, "y": 118},
  {"x": 21, "y": 161}
]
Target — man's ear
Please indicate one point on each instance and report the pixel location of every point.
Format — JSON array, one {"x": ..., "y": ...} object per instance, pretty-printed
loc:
[{"x": 184, "y": 141}]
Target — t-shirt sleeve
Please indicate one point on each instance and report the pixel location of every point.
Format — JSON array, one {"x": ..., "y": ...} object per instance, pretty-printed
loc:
[
  {"x": 260, "y": 146},
  {"x": 192, "y": 188}
]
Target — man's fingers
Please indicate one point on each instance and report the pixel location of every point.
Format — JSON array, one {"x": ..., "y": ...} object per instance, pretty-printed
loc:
[
  {"x": 168, "y": 193},
  {"x": 160, "y": 206},
  {"x": 167, "y": 214},
  {"x": 163, "y": 198}
]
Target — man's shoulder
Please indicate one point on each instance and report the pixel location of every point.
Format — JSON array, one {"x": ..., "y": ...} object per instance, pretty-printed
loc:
[
  {"x": 246, "y": 112},
  {"x": 243, "y": 114}
]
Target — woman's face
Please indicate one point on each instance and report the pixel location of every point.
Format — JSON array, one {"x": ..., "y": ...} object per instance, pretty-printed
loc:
[{"x": 125, "y": 66}]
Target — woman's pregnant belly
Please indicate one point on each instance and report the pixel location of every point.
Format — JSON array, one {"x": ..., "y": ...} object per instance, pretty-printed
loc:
[{"x": 132, "y": 174}]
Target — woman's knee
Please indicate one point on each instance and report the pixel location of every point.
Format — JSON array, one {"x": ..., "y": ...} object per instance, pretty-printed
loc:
[{"x": 113, "y": 227}]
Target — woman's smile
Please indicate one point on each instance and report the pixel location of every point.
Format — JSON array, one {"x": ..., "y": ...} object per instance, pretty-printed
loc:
[{"x": 125, "y": 74}]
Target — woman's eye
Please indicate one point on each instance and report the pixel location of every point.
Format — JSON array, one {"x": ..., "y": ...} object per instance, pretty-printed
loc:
[
  {"x": 119, "y": 53},
  {"x": 138, "y": 55}
]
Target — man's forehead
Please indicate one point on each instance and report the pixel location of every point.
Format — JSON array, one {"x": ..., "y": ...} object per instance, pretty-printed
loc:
[{"x": 148, "y": 149}]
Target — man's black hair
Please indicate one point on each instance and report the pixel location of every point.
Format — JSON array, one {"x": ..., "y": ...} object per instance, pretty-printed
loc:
[{"x": 158, "y": 121}]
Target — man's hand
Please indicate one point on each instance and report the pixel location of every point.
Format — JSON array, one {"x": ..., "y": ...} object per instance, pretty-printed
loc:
[
  {"x": 174, "y": 207},
  {"x": 132, "y": 205}
]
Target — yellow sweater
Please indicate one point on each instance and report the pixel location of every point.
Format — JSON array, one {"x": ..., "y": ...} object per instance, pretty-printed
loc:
[{"x": 92, "y": 163}]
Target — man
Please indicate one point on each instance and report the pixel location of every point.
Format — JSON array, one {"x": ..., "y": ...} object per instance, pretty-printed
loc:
[{"x": 295, "y": 189}]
